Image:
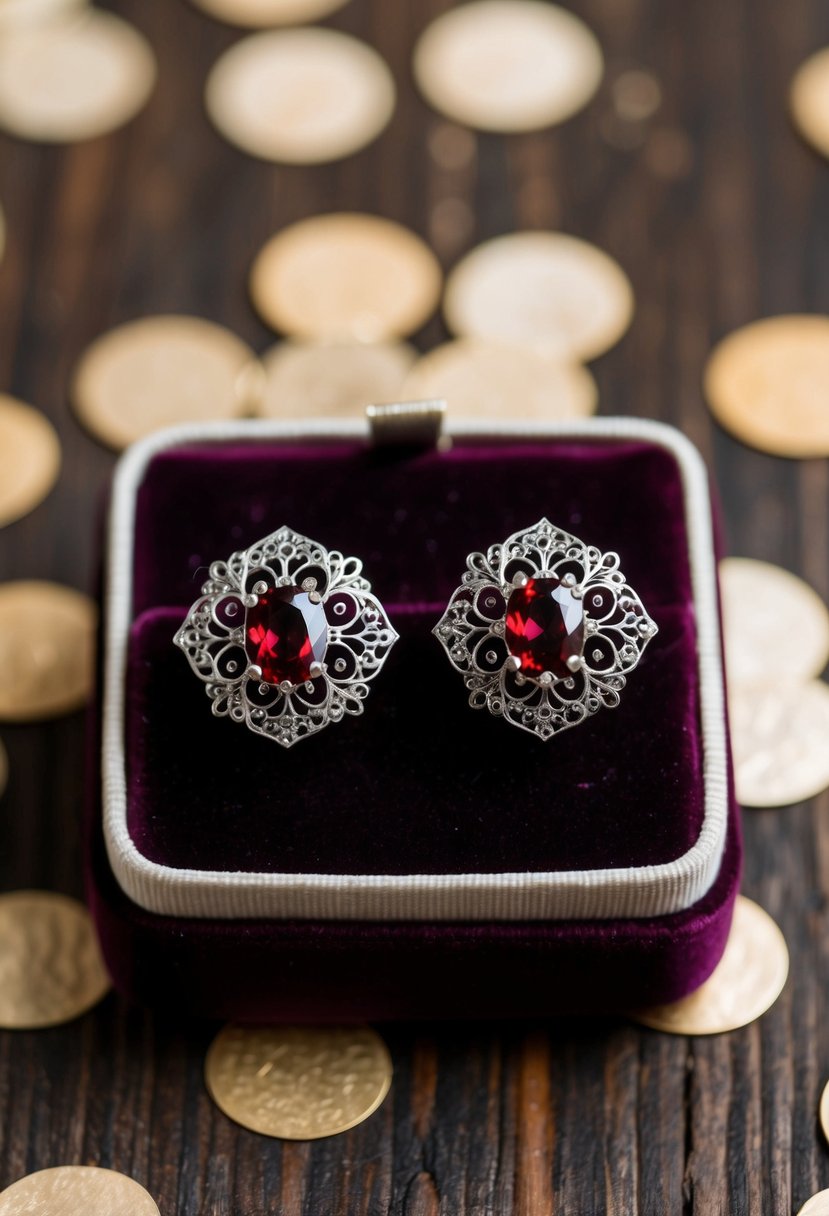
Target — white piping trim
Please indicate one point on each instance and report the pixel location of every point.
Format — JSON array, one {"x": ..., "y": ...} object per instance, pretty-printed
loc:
[{"x": 644, "y": 891}]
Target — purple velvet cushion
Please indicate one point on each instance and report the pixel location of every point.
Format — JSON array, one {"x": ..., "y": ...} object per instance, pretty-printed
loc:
[{"x": 420, "y": 783}]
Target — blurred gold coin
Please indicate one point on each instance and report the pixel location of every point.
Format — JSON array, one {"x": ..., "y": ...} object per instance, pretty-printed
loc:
[
  {"x": 485, "y": 380},
  {"x": 745, "y": 983},
  {"x": 300, "y": 96},
  {"x": 4, "y": 768},
  {"x": 767, "y": 384},
  {"x": 540, "y": 289},
  {"x": 255, "y": 13},
  {"x": 77, "y": 1190},
  {"x": 311, "y": 380},
  {"x": 46, "y": 650},
  {"x": 508, "y": 65},
  {"x": 73, "y": 79},
  {"x": 824, "y": 1114},
  {"x": 346, "y": 277},
  {"x": 809, "y": 100},
  {"x": 779, "y": 742},
  {"x": 818, "y": 1205},
  {"x": 756, "y": 597},
  {"x": 298, "y": 1083},
  {"x": 29, "y": 458},
  {"x": 159, "y": 371},
  {"x": 51, "y": 969},
  {"x": 14, "y": 13}
]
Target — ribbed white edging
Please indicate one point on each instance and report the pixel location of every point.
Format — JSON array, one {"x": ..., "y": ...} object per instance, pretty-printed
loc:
[{"x": 572, "y": 894}]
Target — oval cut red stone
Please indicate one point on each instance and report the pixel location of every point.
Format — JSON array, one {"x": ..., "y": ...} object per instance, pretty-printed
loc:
[
  {"x": 285, "y": 632},
  {"x": 544, "y": 626}
]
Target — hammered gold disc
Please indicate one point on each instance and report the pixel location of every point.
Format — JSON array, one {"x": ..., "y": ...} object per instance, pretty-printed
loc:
[
  {"x": 77, "y": 1190},
  {"x": 745, "y": 983},
  {"x": 508, "y": 65},
  {"x": 256, "y": 13},
  {"x": 298, "y": 1083},
  {"x": 73, "y": 79},
  {"x": 29, "y": 458},
  {"x": 809, "y": 100},
  {"x": 300, "y": 96},
  {"x": 766, "y": 383},
  {"x": 485, "y": 380},
  {"x": 756, "y": 596},
  {"x": 4, "y": 768},
  {"x": 47, "y": 634},
  {"x": 779, "y": 736},
  {"x": 159, "y": 371},
  {"x": 51, "y": 969},
  {"x": 346, "y": 277},
  {"x": 818, "y": 1205},
  {"x": 312, "y": 380},
  {"x": 541, "y": 289}
]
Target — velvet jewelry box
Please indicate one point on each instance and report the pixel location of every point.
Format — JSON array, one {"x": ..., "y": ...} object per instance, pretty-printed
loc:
[{"x": 423, "y": 859}]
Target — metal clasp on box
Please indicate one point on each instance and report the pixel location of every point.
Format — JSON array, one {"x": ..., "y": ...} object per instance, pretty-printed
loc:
[{"x": 408, "y": 424}]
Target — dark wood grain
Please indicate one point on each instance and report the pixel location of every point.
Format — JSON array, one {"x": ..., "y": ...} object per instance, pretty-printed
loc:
[{"x": 719, "y": 214}]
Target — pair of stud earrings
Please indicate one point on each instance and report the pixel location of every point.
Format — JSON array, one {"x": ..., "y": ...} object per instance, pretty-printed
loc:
[{"x": 287, "y": 635}]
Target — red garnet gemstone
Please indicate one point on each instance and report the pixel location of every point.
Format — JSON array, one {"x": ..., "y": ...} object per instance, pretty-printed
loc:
[
  {"x": 285, "y": 632},
  {"x": 544, "y": 626}
]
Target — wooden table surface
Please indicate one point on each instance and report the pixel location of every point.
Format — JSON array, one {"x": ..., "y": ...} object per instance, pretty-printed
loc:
[{"x": 719, "y": 214}]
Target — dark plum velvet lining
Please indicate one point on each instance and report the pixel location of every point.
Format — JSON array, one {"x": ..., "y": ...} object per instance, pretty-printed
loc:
[
  {"x": 376, "y": 794},
  {"x": 420, "y": 783}
]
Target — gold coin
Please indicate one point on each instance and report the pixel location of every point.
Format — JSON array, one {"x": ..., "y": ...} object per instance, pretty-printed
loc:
[
  {"x": 824, "y": 1112},
  {"x": 766, "y": 383},
  {"x": 780, "y": 742},
  {"x": 255, "y": 13},
  {"x": 300, "y": 96},
  {"x": 51, "y": 969},
  {"x": 298, "y": 1083},
  {"x": 745, "y": 983},
  {"x": 73, "y": 79},
  {"x": 818, "y": 1205},
  {"x": 4, "y": 768},
  {"x": 29, "y": 458},
  {"x": 508, "y": 65},
  {"x": 346, "y": 277},
  {"x": 756, "y": 597},
  {"x": 158, "y": 371},
  {"x": 14, "y": 13},
  {"x": 77, "y": 1190},
  {"x": 317, "y": 379},
  {"x": 485, "y": 380},
  {"x": 540, "y": 289},
  {"x": 809, "y": 100},
  {"x": 46, "y": 650}
]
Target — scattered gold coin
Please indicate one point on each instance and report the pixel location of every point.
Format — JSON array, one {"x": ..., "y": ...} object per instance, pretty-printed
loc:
[
  {"x": 766, "y": 383},
  {"x": 541, "y": 289},
  {"x": 29, "y": 458},
  {"x": 823, "y": 1112},
  {"x": 484, "y": 380},
  {"x": 14, "y": 13},
  {"x": 255, "y": 13},
  {"x": 317, "y": 379},
  {"x": 73, "y": 79},
  {"x": 780, "y": 742},
  {"x": 745, "y": 983},
  {"x": 300, "y": 96},
  {"x": 77, "y": 1190},
  {"x": 46, "y": 650},
  {"x": 346, "y": 277},
  {"x": 4, "y": 768},
  {"x": 809, "y": 100},
  {"x": 298, "y": 1083},
  {"x": 818, "y": 1205},
  {"x": 508, "y": 65},
  {"x": 158, "y": 371},
  {"x": 756, "y": 596},
  {"x": 51, "y": 969}
]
